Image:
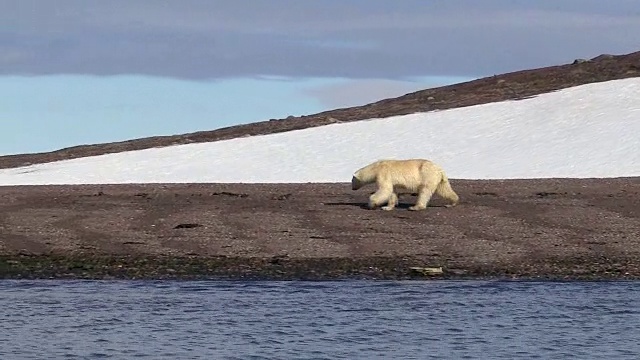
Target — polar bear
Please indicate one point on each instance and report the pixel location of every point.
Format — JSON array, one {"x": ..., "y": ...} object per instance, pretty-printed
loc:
[{"x": 404, "y": 176}]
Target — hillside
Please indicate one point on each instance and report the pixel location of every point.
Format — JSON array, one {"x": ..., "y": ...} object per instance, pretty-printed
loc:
[
  {"x": 510, "y": 86},
  {"x": 547, "y": 136}
]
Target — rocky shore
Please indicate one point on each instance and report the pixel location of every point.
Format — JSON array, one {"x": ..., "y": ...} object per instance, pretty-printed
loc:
[{"x": 537, "y": 229}]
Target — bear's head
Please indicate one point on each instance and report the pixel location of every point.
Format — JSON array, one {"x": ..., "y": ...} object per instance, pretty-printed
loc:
[{"x": 356, "y": 183}]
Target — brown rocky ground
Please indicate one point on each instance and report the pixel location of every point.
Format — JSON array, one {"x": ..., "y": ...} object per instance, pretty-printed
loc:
[
  {"x": 510, "y": 86},
  {"x": 553, "y": 228}
]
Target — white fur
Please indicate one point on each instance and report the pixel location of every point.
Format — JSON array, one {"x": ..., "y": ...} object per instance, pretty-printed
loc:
[{"x": 404, "y": 176}]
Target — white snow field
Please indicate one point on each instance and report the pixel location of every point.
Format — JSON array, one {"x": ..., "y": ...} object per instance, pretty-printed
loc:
[{"x": 587, "y": 131}]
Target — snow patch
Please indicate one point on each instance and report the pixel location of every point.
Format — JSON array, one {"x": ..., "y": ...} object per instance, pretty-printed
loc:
[{"x": 591, "y": 130}]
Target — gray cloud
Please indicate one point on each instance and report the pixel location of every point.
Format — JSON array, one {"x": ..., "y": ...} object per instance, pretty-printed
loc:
[{"x": 358, "y": 39}]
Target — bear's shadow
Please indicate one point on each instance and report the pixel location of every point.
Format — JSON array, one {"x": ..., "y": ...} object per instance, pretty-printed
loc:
[{"x": 364, "y": 205}]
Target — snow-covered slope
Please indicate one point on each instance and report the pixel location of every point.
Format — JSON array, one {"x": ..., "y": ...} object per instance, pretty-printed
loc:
[{"x": 586, "y": 131}]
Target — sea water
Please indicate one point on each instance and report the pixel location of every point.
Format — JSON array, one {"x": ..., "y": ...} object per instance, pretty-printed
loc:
[{"x": 57, "y": 319}]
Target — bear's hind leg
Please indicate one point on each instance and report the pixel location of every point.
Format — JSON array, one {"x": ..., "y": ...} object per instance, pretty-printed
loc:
[
  {"x": 424, "y": 195},
  {"x": 425, "y": 192}
]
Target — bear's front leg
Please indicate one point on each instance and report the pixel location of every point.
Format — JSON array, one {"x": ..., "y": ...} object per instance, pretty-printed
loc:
[
  {"x": 379, "y": 197},
  {"x": 392, "y": 203}
]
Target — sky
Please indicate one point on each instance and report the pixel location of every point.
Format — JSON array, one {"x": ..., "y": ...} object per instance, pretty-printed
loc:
[
  {"x": 76, "y": 72},
  {"x": 547, "y": 136}
]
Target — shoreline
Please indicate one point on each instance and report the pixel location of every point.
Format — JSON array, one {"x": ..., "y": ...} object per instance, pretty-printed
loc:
[
  {"x": 541, "y": 229},
  {"x": 58, "y": 267}
]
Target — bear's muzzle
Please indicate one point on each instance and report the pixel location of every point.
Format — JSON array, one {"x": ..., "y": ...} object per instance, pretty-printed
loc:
[{"x": 355, "y": 183}]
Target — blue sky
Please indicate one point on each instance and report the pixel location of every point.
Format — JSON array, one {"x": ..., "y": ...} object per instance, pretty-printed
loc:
[{"x": 76, "y": 72}]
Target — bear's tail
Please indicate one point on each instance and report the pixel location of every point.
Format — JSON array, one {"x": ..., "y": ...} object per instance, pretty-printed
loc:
[{"x": 445, "y": 191}]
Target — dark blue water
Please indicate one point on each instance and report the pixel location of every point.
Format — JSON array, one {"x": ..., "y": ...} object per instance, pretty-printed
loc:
[{"x": 319, "y": 320}]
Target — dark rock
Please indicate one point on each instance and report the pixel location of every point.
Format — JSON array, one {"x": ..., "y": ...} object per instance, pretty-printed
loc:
[{"x": 187, "y": 226}]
